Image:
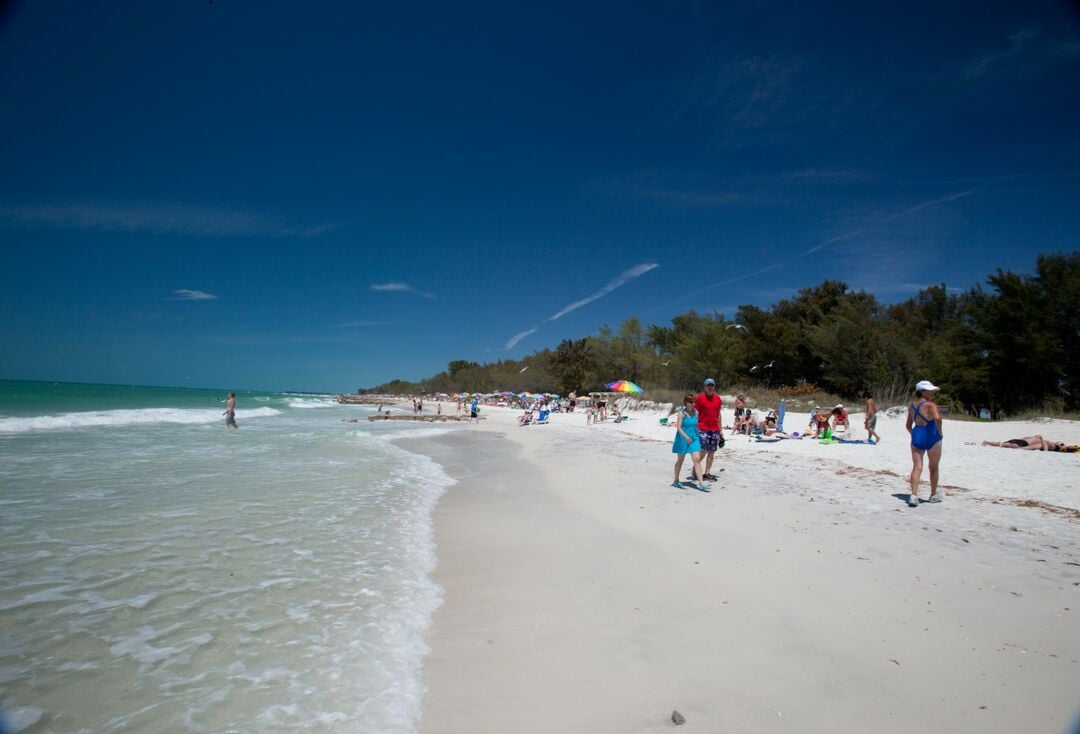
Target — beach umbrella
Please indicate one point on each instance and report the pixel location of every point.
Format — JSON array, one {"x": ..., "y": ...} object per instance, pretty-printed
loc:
[{"x": 623, "y": 386}]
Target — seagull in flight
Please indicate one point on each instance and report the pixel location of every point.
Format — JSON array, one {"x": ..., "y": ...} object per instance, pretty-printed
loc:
[
  {"x": 523, "y": 369},
  {"x": 737, "y": 326},
  {"x": 665, "y": 364}
]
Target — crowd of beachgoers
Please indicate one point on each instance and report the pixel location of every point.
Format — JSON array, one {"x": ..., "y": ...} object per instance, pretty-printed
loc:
[{"x": 699, "y": 429}]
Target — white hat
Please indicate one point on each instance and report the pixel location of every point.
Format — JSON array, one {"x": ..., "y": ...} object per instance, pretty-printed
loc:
[
  {"x": 925, "y": 385},
  {"x": 840, "y": 406}
]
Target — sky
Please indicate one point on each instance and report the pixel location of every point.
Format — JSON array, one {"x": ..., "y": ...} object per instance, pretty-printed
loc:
[{"x": 326, "y": 196}]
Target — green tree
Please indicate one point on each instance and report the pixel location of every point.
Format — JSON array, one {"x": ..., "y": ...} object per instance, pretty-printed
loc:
[
  {"x": 571, "y": 363},
  {"x": 1058, "y": 275}
]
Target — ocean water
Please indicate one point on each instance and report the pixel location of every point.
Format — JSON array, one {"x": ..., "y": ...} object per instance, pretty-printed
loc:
[{"x": 162, "y": 573}]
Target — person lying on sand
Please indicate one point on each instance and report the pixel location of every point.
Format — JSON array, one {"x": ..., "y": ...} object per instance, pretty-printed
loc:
[{"x": 1030, "y": 443}]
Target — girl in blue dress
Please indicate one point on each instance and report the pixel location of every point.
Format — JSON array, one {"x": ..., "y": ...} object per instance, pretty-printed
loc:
[
  {"x": 924, "y": 425},
  {"x": 687, "y": 441}
]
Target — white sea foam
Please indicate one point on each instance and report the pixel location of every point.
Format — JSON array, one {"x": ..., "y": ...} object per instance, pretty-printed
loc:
[
  {"x": 391, "y": 433},
  {"x": 23, "y": 717},
  {"x": 295, "y": 561},
  {"x": 311, "y": 403},
  {"x": 113, "y": 418}
]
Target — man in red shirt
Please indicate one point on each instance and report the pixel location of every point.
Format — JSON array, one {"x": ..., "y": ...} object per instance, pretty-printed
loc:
[{"x": 708, "y": 406}]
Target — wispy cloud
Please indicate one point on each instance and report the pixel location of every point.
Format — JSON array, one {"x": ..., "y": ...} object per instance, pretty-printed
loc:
[
  {"x": 984, "y": 63},
  {"x": 708, "y": 199},
  {"x": 762, "y": 88},
  {"x": 256, "y": 340},
  {"x": 185, "y": 294},
  {"x": 826, "y": 175},
  {"x": 624, "y": 277},
  {"x": 399, "y": 288},
  {"x": 746, "y": 97},
  {"x": 1028, "y": 50},
  {"x": 869, "y": 228},
  {"x": 512, "y": 342},
  {"x": 893, "y": 217},
  {"x": 169, "y": 218},
  {"x": 361, "y": 323}
]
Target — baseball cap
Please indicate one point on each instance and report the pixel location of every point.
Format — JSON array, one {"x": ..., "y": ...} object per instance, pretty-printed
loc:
[
  {"x": 925, "y": 385},
  {"x": 710, "y": 381}
]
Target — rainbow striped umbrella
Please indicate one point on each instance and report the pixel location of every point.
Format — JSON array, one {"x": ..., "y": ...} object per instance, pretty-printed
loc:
[{"x": 623, "y": 386}]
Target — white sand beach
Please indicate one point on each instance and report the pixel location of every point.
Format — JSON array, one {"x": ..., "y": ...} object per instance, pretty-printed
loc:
[{"x": 583, "y": 593}]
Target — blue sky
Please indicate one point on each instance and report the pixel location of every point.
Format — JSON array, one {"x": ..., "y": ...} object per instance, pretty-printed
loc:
[{"x": 325, "y": 196}]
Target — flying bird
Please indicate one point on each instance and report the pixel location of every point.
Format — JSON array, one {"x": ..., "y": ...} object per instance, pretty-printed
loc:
[
  {"x": 770, "y": 364},
  {"x": 737, "y": 326},
  {"x": 665, "y": 364},
  {"x": 523, "y": 369},
  {"x": 753, "y": 368}
]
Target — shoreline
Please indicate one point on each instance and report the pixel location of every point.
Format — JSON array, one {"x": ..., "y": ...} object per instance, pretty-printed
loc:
[{"x": 582, "y": 593}]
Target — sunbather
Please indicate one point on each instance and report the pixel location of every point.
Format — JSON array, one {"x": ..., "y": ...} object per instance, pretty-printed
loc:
[
  {"x": 740, "y": 413},
  {"x": 769, "y": 424},
  {"x": 1030, "y": 443}
]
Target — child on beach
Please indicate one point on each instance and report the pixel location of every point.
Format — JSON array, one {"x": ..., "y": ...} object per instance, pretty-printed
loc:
[
  {"x": 687, "y": 441},
  {"x": 924, "y": 425}
]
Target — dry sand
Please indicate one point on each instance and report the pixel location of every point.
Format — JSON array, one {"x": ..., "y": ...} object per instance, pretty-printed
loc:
[{"x": 584, "y": 594}]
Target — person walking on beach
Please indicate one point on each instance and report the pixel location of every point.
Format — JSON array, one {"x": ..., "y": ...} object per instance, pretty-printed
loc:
[
  {"x": 924, "y": 425},
  {"x": 230, "y": 411},
  {"x": 688, "y": 441},
  {"x": 708, "y": 405},
  {"x": 870, "y": 422},
  {"x": 474, "y": 411}
]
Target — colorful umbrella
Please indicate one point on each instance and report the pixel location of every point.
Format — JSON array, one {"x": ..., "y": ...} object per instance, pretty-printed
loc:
[{"x": 623, "y": 386}]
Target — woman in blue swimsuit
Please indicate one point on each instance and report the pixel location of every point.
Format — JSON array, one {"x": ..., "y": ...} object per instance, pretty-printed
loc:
[
  {"x": 924, "y": 425},
  {"x": 687, "y": 441}
]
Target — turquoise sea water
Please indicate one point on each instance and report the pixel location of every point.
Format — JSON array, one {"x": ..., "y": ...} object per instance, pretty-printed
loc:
[{"x": 163, "y": 573}]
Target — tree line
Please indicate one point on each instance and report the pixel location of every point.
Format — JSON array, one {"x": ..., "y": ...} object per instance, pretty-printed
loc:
[{"x": 1011, "y": 345}]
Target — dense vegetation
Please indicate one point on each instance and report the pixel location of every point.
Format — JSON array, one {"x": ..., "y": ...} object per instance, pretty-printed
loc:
[{"x": 1011, "y": 346}]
